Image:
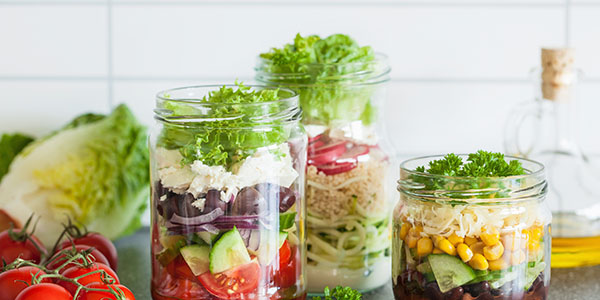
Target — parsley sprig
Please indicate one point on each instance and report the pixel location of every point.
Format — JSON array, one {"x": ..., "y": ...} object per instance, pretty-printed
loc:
[
  {"x": 340, "y": 293},
  {"x": 480, "y": 171}
]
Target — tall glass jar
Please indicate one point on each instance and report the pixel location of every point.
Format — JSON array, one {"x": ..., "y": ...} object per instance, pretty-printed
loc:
[
  {"x": 467, "y": 238},
  {"x": 544, "y": 129},
  {"x": 227, "y": 171},
  {"x": 347, "y": 179}
]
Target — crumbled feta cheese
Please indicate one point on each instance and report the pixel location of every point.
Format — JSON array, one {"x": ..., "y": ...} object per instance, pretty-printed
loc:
[
  {"x": 213, "y": 177},
  {"x": 199, "y": 203},
  {"x": 167, "y": 158},
  {"x": 265, "y": 166},
  {"x": 176, "y": 178}
]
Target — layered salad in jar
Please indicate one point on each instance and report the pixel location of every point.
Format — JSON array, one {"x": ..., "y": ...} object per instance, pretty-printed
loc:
[
  {"x": 227, "y": 194},
  {"x": 348, "y": 209},
  {"x": 471, "y": 227}
]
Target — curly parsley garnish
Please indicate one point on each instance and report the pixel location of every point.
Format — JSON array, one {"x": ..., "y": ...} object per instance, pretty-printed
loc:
[
  {"x": 340, "y": 293},
  {"x": 230, "y": 137}
]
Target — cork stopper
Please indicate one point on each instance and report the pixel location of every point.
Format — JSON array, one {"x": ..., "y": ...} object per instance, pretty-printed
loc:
[{"x": 557, "y": 72}]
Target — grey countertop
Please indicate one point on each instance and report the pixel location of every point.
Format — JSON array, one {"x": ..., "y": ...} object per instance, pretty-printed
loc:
[{"x": 134, "y": 272}]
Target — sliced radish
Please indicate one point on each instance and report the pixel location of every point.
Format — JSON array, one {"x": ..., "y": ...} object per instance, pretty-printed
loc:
[
  {"x": 315, "y": 138},
  {"x": 337, "y": 168},
  {"x": 353, "y": 153},
  {"x": 326, "y": 154}
]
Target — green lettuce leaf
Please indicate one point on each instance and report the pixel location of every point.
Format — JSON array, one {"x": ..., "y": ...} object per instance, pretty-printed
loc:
[{"x": 10, "y": 146}]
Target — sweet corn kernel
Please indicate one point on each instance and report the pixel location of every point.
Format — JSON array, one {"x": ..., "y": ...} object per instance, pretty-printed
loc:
[
  {"x": 490, "y": 235},
  {"x": 404, "y": 230},
  {"x": 517, "y": 257},
  {"x": 477, "y": 247},
  {"x": 498, "y": 264},
  {"x": 411, "y": 240},
  {"x": 470, "y": 240},
  {"x": 447, "y": 247},
  {"x": 535, "y": 234},
  {"x": 478, "y": 262},
  {"x": 464, "y": 252},
  {"x": 455, "y": 239},
  {"x": 533, "y": 246},
  {"x": 493, "y": 252},
  {"x": 419, "y": 229},
  {"x": 424, "y": 246},
  {"x": 437, "y": 239},
  {"x": 437, "y": 251}
]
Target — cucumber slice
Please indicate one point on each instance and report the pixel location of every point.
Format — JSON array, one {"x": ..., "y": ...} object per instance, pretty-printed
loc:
[
  {"x": 533, "y": 273},
  {"x": 228, "y": 252},
  {"x": 167, "y": 255},
  {"x": 427, "y": 272},
  {"x": 207, "y": 237},
  {"x": 197, "y": 258},
  {"x": 449, "y": 271}
]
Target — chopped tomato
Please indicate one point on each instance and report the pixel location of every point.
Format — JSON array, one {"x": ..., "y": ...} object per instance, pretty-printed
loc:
[
  {"x": 180, "y": 269},
  {"x": 233, "y": 283},
  {"x": 287, "y": 277}
]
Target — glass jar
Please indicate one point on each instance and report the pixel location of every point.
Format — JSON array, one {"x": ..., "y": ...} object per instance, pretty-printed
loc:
[
  {"x": 347, "y": 179},
  {"x": 227, "y": 196},
  {"x": 544, "y": 129},
  {"x": 487, "y": 237}
]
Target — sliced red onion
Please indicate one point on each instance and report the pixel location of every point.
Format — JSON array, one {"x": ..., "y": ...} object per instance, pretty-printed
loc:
[{"x": 198, "y": 220}]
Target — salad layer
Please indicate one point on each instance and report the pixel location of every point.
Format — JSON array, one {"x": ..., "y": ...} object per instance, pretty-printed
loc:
[{"x": 227, "y": 220}]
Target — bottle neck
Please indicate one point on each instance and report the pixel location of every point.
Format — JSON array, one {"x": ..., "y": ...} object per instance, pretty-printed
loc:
[{"x": 563, "y": 112}]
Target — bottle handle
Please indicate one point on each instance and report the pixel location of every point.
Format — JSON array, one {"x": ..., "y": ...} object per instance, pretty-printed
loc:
[{"x": 515, "y": 125}]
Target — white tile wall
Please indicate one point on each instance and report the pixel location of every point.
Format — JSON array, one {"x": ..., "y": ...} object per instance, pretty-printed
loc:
[{"x": 459, "y": 66}]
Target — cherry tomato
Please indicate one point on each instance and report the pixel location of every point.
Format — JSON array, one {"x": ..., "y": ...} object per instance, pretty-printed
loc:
[
  {"x": 45, "y": 291},
  {"x": 108, "y": 295},
  {"x": 60, "y": 258},
  {"x": 285, "y": 252},
  {"x": 233, "y": 283},
  {"x": 180, "y": 269},
  {"x": 98, "y": 241},
  {"x": 11, "y": 250},
  {"x": 286, "y": 276},
  {"x": 11, "y": 281},
  {"x": 77, "y": 271}
]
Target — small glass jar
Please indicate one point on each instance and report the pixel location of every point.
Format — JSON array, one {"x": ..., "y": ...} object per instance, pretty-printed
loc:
[
  {"x": 227, "y": 197},
  {"x": 348, "y": 187},
  {"x": 471, "y": 238}
]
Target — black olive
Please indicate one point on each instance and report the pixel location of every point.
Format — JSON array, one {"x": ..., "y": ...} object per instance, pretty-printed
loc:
[
  {"x": 213, "y": 201},
  {"x": 248, "y": 202},
  {"x": 432, "y": 291},
  {"x": 477, "y": 289},
  {"x": 454, "y": 294},
  {"x": 276, "y": 195}
]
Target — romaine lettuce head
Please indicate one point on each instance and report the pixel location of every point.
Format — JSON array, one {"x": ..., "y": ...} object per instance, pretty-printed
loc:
[{"x": 94, "y": 171}]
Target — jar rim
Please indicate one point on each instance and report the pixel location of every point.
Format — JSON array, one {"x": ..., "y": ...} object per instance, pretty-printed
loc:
[
  {"x": 361, "y": 77},
  {"x": 280, "y": 111},
  {"x": 403, "y": 167},
  {"x": 461, "y": 189}
]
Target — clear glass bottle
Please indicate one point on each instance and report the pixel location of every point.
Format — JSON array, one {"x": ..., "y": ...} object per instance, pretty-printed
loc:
[
  {"x": 471, "y": 238},
  {"x": 545, "y": 130},
  {"x": 228, "y": 194},
  {"x": 348, "y": 176}
]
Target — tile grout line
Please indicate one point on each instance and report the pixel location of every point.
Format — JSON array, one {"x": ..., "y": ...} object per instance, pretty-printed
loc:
[
  {"x": 109, "y": 54},
  {"x": 294, "y": 3}
]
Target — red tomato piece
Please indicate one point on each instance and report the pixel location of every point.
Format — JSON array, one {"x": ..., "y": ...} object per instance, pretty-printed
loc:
[
  {"x": 109, "y": 293},
  {"x": 45, "y": 291},
  {"x": 27, "y": 250},
  {"x": 77, "y": 271},
  {"x": 285, "y": 252},
  {"x": 180, "y": 269},
  {"x": 60, "y": 257},
  {"x": 98, "y": 241},
  {"x": 167, "y": 287},
  {"x": 233, "y": 283},
  {"x": 11, "y": 281},
  {"x": 287, "y": 275}
]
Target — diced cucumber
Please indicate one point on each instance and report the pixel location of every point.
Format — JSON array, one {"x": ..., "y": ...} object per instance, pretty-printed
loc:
[
  {"x": 228, "y": 252},
  {"x": 207, "y": 237},
  {"x": 167, "y": 255},
  {"x": 427, "y": 272},
  {"x": 267, "y": 250},
  {"x": 197, "y": 258},
  {"x": 449, "y": 271},
  {"x": 532, "y": 273}
]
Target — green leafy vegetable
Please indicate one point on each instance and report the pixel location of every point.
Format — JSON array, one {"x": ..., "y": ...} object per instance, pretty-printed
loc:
[
  {"x": 287, "y": 220},
  {"x": 94, "y": 170},
  {"x": 230, "y": 135},
  {"x": 329, "y": 75},
  {"x": 481, "y": 171},
  {"x": 340, "y": 293},
  {"x": 10, "y": 146}
]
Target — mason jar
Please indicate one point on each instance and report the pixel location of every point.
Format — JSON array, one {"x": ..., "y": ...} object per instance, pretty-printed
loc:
[
  {"x": 471, "y": 238},
  {"x": 347, "y": 179},
  {"x": 227, "y": 195}
]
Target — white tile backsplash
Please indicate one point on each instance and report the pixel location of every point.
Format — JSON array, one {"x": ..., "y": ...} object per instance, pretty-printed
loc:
[
  {"x": 458, "y": 66},
  {"x": 53, "y": 40},
  {"x": 40, "y": 107}
]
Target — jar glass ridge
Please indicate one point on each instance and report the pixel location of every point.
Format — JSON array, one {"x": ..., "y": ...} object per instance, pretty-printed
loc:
[
  {"x": 348, "y": 174},
  {"x": 492, "y": 233},
  {"x": 227, "y": 196}
]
